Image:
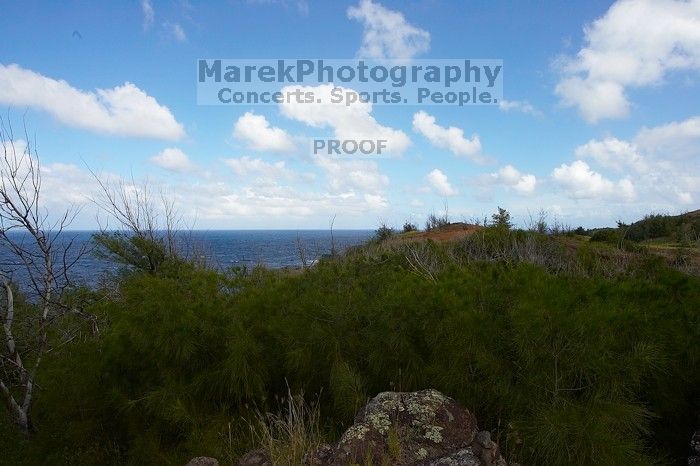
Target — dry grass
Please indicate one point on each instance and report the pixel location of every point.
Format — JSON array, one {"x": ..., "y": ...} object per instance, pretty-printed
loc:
[{"x": 289, "y": 435}]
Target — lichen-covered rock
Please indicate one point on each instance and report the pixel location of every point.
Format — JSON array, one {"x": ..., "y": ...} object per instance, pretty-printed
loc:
[
  {"x": 255, "y": 458},
  {"x": 406, "y": 428},
  {"x": 424, "y": 428},
  {"x": 415, "y": 428},
  {"x": 487, "y": 450},
  {"x": 320, "y": 456},
  {"x": 463, "y": 457},
  {"x": 203, "y": 461}
]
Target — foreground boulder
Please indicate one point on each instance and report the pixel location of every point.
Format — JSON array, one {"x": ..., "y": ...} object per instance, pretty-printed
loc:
[
  {"x": 405, "y": 428},
  {"x": 424, "y": 428},
  {"x": 203, "y": 461},
  {"x": 255, "y": 458}
]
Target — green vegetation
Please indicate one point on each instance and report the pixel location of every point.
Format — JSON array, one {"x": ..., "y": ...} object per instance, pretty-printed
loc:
[
  {"x": 678, "y": 230},
  {"x": 571, "y": 352},
  {"x": 409, "y": 227},
  {"x": 435, "y": 221},
  {"x": 501, "y": 219},
  {"x": 383, "y": 233}
]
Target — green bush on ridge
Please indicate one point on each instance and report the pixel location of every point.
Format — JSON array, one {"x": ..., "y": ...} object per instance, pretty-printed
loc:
[{"x": 569, "y": 357}]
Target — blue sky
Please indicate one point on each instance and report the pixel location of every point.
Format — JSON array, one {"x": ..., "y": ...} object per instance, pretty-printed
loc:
[{"x": 601, "y": 119}]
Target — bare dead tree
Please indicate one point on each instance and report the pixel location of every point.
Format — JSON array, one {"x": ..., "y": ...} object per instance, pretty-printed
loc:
[
  {"x": 301, "y": 250},
  {"x": 333, "y": 248},
  {"x": 36, "y": 250},
  {"x": 147, "y": 225},
  {"x": 422, "y": 261}
]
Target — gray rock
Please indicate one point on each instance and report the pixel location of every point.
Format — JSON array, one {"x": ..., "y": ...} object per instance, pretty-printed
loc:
[
  {"x": 424, "y": 428},
  {"x": 319, "y": 456},
  {"x": 255, "y": 458},
  {"x": 203, "y": 461},
  {"x": 464, "y": 457}
]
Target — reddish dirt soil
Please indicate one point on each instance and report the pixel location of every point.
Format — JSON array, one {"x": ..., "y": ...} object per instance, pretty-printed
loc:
[{"x": 451, "y": 232}]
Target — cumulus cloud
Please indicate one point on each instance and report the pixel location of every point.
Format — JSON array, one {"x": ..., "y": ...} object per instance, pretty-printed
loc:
[
  {"x": 440, "y": 184},
  {"x": 59, "y": 190},
  {"x": 64, "y": 186},
  {"x": 149, "y": 14},
  {"x": 451, "y": 138},
  {"x": 218, "y": 201},
  {"x": 676, "y": 139},
  {"x": 664, "y": 161},
  {"x": 387, "y": 34},
  {"x": 124, "y": 110},
  {"x": 352, "y": 175},
  {"x": 174, "y": 159},
  {"x": 509, "y": 176},
  {"x": 247, "y": 167},
  {"x": 581, "y": 182},
  {"x": 354, "y": 121},
  {"x": 522, "y": 106},
  {"x": 257, "y": 134},
  {"x": 634, "y": 44},
  {"x": 613, "y": 153}
]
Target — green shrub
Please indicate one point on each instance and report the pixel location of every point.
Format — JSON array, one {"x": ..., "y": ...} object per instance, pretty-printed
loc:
[
  {"x": 607, "y": 235},
  {"x": 409, "y": 227},
  {"x": 567, "y": 359},
  {"x": 383, "y": 233}
]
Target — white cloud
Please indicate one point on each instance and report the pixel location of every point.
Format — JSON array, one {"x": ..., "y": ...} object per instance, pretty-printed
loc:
[
  {"x": 613, "y": 153},
  {"x": 246, "y": 167},
  {"x": 635, "y": 44},
  {"x": 664, "y": 160},
  {"x": 511, "y": 177},
  {"x": 451, "y": 138},
  {"x": 522, "y": 106},
  {"x": 440, "y": 184},
  {"x": 148, "y": 14},
  {"x": 594, "y": 99},
  {"x": 352, "y": 121},
  {"x": 175, "y": 31},
  {"x": 220, "y": 201},
  {"x": 375, "y": 202},
  {"x": 216, "y": 201},
  {"x": 675, "y": 139},
  {"x": 124, "y": 110},
  {"x": 581, "y": 182},
  {"x": 257, "y": 134},
  {"x": 174, "y": 159},
  {"x": 685, "y": 198},
  {"x": 65, "y": 185},
  {"x": 387, "y": 34},
  {"x": 352, "y": 175}
]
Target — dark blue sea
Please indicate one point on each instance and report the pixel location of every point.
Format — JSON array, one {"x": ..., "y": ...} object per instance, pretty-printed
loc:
[{"x": 220, "y": 249}]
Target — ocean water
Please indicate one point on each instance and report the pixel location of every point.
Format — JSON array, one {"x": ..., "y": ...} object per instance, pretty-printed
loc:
[{"x": 221, "y": 249}]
